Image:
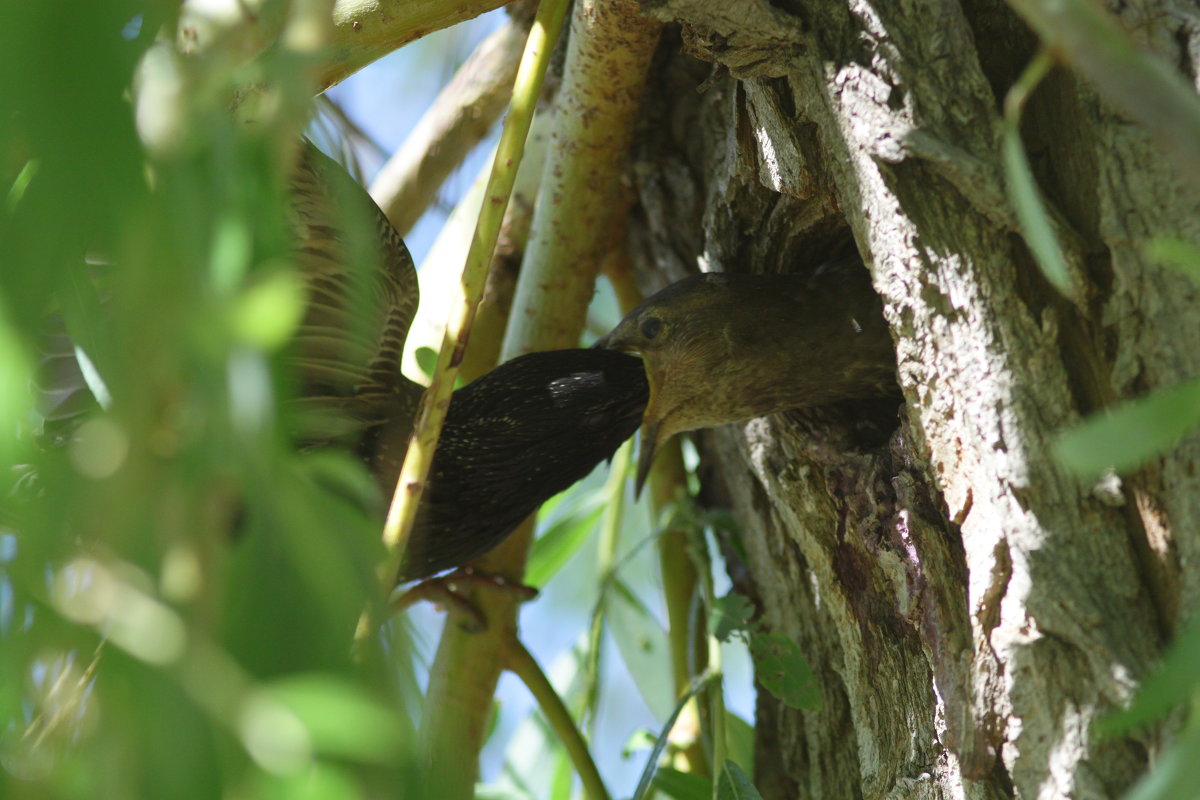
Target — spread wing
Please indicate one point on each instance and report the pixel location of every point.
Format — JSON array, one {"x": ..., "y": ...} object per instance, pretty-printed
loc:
[{"x": 363, "y": 295}]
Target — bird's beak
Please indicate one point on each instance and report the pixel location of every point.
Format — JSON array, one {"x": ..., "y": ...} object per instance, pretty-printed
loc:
[
  {"x": 646, "y": 450},
  {"x": 650, "y": 422},
  {"x": 651, "y": 436}
]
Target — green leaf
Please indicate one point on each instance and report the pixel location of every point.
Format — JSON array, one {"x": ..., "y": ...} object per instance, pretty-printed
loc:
[
  {"x": 1022, "y": 188},
  {"x": 1177, "y": 773},
  {"x": 426, "y": 359},
  {"x": 783, "y": 671},
  {"x": 1183, "y": 256},
  {"x": 739, "y": 739},
  {"x": 1035, "y": 223},
  {"x": 731, "y": 614},
  {"x": 735, "y": 784},
  {"x": 342, "y": 719},
  {"x": 562, "y": 539},
  {"x": 643, "y": 646},
  {"x": 682, "y": 785},
  {"x": 1131, "y": 433},
  {"x": 648, "y": 772}
]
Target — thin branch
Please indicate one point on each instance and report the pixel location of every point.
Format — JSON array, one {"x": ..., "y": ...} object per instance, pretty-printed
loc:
[
  {"x": 436, "y": 400},
  {"x": 606, "y": 568},
  {"x": 582, "y": 196},
  {"x": 607, "y": 59},
  {"x": 668, "y": 486},
  {"x": 521, "y": 663},
  {"x": 457, "y": 121},
  {"x": 360, "y": 31},
  {"x": 367, "y": 30}
]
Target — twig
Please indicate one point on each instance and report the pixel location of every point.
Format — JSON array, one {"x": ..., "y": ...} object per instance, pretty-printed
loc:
[
  {"x": 367, "y": 30},
  {"x": 521, "y": 663},
  {"x": 435, "y": 402},
  {"x": 458, "y": 120}
]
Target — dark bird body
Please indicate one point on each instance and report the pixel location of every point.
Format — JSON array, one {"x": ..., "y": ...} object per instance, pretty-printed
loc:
[
  {"x": 721, "y": 348},
  {"x": 513, "y": 438}
]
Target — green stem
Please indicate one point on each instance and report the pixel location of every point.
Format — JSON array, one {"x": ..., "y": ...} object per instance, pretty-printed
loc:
[
  {"x": 678, "y": 565},
  {"x": 403, "y": 510},
  {"x": 521, "y": 663},
  {"x": 716, "y": 688},
  {"x": 606, "y": 551}
]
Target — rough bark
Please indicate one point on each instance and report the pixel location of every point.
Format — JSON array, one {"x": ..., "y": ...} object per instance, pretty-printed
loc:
[{"x": 968, "y": 606}]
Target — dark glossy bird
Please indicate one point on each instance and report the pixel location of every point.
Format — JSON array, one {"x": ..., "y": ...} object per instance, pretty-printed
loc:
[
  {"x": 723, "y": 347},
  {"x": 512, "y": 439},
  {"x": 515, "y": 437}
]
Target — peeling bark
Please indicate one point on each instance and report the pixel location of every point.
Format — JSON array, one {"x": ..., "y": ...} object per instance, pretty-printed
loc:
[{"x": 968, "y": 607}]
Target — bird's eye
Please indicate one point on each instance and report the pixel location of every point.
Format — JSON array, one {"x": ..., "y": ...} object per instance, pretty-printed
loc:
[{"x": 651, "y": 327}]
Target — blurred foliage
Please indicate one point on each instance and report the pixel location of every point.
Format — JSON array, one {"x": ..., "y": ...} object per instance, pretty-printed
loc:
[
  {"x": 1129, "y": 435},
  {"x": 179, "y": 584},
  {"x": 1123, "y": 438},
  {"x": 1172, "y": 687},
  {"x": 779, "y": 665}
]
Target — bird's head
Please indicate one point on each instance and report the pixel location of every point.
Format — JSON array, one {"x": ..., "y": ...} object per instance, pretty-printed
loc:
[
  {"x": 673, "y": 332},
  {"x": 721, "y": 348}
]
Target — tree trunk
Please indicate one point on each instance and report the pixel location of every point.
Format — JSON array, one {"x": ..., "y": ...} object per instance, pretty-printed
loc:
[{"x": 968, "y": 606}]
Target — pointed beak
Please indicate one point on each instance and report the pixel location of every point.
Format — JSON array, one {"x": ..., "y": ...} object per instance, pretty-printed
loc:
[
  {"x": 649, "y": 440},
  {"x": 650, "y": 422},
  {"x": 646, "y": 448}
]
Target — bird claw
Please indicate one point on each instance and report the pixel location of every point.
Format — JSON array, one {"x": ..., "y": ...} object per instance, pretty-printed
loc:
[{"x": 444, "y": 592}]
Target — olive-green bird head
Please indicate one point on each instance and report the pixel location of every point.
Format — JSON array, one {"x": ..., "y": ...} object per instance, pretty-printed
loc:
[{"x": 720, "y": 348}]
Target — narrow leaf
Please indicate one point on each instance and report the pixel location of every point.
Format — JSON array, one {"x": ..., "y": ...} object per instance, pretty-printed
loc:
[
  {"x": 1170, "y": 685},
  {"x": 642, "y": 643},
  {"x": 1177, "y": 773},
  {"x": 698, "y": 685},
  {"x": 739, "y": 738},
  {"x": 735, "y": 784},
  {"x": 1035, "y": 223},
  {"x": 682, "y": 785},
  {"x": 1131, "y": 433},
  {"x": 562, "y": 539},
  {"x": 783, "y": 672}
]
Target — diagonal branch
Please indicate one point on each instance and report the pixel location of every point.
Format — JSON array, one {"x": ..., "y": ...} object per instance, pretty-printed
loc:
[
  {"x": 458, "y": 120},
  {"x": 367, "y": 30}
]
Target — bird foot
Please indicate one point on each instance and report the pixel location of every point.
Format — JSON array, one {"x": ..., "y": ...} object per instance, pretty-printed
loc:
[{"x": 444, "y": 591}]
